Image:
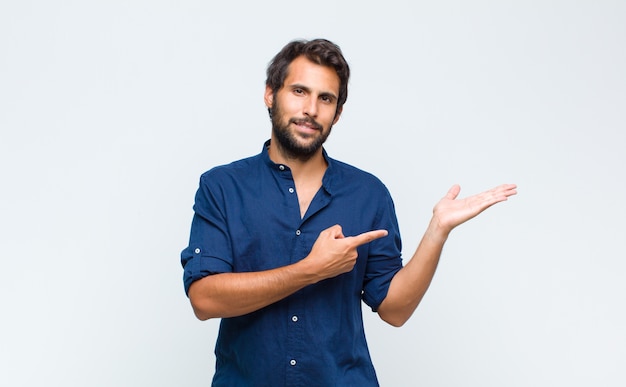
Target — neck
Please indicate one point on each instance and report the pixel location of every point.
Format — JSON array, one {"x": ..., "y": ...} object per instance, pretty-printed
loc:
[{"x": 309, "y": 167}]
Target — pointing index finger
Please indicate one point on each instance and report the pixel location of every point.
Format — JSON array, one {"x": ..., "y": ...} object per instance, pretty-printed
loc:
[{"x": 368, "y": 236}]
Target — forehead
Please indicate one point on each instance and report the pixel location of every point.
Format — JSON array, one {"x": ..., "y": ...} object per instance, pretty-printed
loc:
[{"x": 303, "y": 72}]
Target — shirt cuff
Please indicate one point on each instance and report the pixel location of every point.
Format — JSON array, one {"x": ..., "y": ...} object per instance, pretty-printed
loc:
[{"x": 202, "y": 266}]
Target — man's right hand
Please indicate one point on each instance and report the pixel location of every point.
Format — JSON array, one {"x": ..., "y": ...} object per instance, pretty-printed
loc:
[{"x": 333, "y": 253}]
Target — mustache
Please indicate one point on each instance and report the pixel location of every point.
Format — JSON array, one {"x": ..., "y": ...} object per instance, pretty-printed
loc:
[{"x": 306, "y": 120}]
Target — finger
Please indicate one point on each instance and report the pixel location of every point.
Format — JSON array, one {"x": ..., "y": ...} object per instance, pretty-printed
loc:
[
  {"x": 505, "y": 190},
  {"x": 498, "y": 194},
  {"x": 509, "y": 186},
  {"x": 334, "y": 232},
  {"x": 453, "y": 192},
  {"x": 368, "y": 236},
  {"x": 510, "y": 189}
]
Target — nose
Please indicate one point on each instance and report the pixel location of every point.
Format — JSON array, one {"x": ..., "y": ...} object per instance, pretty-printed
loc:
[{"x": 310, "y": 107}]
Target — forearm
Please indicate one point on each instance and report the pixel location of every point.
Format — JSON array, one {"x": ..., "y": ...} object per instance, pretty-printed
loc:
[
  {"x": 409, "y": 285},
  {"x": 236, "y": 294}
]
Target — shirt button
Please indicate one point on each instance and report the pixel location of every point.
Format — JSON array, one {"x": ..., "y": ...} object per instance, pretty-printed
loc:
[
  {"x": 294, "y": 318},
  {"x": 281, "y": 167},
  {"x": 291, "y": 190},
  {"x": 197, "y": 251},
  {"x": 298, "y": 232},
  {"x": 292, "y": 362}
]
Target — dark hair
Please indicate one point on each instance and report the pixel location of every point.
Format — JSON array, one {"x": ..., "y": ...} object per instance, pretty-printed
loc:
[{"x": 320, "y": 51}]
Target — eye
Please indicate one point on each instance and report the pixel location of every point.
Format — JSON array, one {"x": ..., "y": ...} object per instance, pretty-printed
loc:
[
  {"x": 326, "y": 98},
  {"x": 298, "y": 90}
]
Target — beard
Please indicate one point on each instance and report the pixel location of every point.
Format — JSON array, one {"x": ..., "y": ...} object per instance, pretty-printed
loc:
[{"x": 289, "y": 142}]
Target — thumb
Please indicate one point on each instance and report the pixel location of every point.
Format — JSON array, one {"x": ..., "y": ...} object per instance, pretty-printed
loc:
[{"x": 453, "y": 192}]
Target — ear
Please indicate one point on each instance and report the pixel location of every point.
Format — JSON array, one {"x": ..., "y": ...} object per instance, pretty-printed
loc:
[
  {"x": 337, "y": 115},
  {"x": 269, "y": 97}
]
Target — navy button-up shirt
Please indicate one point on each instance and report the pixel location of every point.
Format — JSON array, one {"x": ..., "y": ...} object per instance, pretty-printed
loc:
[{"x": 247, "y": 218}]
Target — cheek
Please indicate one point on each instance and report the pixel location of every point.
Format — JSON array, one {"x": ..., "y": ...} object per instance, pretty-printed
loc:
[
  {"x": 328, "y": 117},
  {"x": 290, "y": 106}
]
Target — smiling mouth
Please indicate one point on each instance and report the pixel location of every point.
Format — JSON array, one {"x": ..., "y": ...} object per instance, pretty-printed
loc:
[{"x": 307, "y": 123}]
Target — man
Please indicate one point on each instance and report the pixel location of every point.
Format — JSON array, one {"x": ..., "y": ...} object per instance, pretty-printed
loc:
[{"x": 285, "y": 245}]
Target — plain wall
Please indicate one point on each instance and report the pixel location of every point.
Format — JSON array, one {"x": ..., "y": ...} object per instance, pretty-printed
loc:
[{"x": 111, "y": 110}]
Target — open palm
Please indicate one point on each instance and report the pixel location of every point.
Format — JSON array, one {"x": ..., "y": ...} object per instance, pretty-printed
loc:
[{"x": 451, "y": 212}]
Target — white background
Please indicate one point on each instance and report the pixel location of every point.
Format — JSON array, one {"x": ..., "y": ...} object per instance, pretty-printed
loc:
[{"x": 110, "y": 111}]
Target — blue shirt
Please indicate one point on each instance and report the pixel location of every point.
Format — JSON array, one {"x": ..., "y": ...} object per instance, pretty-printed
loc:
[{"x": 247, "y": 218}]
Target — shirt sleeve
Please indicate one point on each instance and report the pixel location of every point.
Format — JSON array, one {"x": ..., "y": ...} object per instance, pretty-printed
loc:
[
  {"x": 384, "y": 255},
  {"x": 209, "y": 250}
]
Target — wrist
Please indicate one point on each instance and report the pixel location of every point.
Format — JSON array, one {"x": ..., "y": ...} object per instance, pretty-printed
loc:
[
  {"x": 436, "y": 232},
  {"x": 306, "y": 271}
]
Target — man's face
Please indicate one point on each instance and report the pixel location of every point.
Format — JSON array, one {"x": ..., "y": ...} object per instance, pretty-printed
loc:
[{"x": 304, "y": 109}]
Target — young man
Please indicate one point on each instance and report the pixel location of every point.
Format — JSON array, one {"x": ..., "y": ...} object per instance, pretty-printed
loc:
[{"x": 285, "y": 245}]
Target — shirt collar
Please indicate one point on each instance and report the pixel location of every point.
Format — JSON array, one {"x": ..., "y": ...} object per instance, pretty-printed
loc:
[{"x": 329, "y": 175}]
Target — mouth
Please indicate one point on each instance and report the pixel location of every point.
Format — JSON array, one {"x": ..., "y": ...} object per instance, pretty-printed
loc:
[{"x": 307, "y": 124}]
